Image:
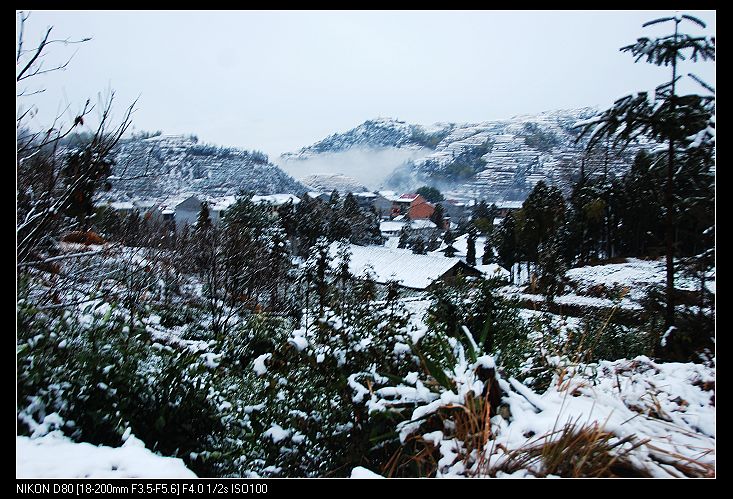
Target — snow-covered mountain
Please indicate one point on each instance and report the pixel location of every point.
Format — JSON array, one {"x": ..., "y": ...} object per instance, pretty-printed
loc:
[
  {"x": 495, "y": 160},
  {"x": 375, "y": 134},
  {"x": 166, "y": 165}
]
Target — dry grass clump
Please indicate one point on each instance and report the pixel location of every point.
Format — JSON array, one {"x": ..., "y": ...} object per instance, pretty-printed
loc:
[
  {"x": 576, "y": 451},
  {"x": 467, "y": 424}
]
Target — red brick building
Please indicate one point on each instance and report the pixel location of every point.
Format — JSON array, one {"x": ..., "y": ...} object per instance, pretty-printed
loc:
[{"x": 414, "y": 206}]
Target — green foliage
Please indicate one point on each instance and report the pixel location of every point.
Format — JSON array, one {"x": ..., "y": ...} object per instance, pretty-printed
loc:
[
  {"x": 336, "y": 220},
  {"x": 542, "y": 214},
  {"x": 462, "y": 167},
  {"x": 539, "y": 139},
  {"x": 438, "y": 216},
  {"x": 308, "y": 388},
  {"x": 431, "y": 194},
  {"x": 101, "y": 377},
  {"x": 488, "y": 254},
  {"x": 429, "y": 140},
  {"x": 552, "y": 266},
  {"x": 505, "y": 240},
  {"x": 471, "y": 248},
  {"x": 418, "y": 246},
  {"x": 683, "y": 123},
  {"x": 492, "y": 320}
]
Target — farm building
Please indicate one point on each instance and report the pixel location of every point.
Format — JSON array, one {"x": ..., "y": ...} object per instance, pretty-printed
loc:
[{"x": 417, "y": 272}]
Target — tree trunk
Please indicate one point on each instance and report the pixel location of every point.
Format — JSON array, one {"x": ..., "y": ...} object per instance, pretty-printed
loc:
[
  {"x": 669, "y": 202},
  {"x": 669, "y": 239}
]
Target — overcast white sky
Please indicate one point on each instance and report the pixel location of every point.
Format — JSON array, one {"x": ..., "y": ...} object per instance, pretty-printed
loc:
[{"x": 277, "y": 81}]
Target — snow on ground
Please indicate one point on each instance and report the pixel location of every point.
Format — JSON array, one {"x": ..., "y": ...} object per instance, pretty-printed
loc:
[
  {"x": 635, "y": 274},
  {"x": 56, "y": 456},
  {"x": 361, "y": 472},
  {"x": 660, "y": 418},
  {"x": 670, "y": 404},
  {"x": 594, "y": 286},
  {"x": 582, "y": 301}
]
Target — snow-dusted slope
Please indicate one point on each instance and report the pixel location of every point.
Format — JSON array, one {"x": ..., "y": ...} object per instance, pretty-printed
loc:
[
  {"x": 329, "y": 182},
  {"x": 166, "y": 165},
  {"x": 374, "y": 134}
]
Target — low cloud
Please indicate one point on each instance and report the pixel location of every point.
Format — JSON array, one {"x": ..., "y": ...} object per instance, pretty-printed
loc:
[{"x": 369, "y": 166}]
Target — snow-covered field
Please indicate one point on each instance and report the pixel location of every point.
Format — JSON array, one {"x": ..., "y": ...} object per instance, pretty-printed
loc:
[
  {"x": 605, "y": 286},
  {"x": 635, "y": 274}
]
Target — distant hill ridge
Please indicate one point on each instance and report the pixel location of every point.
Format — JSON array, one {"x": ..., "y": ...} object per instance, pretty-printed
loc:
[{"x": 165, "y": 165}]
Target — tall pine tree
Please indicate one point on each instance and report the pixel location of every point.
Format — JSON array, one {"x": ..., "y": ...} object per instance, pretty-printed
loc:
[{"x": 683, "y": 123}]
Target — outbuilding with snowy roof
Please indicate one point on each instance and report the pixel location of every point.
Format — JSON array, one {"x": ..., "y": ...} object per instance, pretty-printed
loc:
[{"x": 418, "y": 272}]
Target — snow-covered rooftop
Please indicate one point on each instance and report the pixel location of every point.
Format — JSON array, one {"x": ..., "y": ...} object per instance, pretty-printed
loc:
[
  {"x": 365, "y": 194},
  {"x": 391, "y": 226},
  {"x": 173, "y": 201},
  {"x": 390, "y": 195},
  {"x": 396, "y": 225},
  {"x": 121, "y": 205},
  {"x": 223, "y": 203},
  {"x": 276, "y": 199},
  {"x": 509, "y": 205},
  {"x": 411, "y": 270},
  {"x": 423, "y": 224}
]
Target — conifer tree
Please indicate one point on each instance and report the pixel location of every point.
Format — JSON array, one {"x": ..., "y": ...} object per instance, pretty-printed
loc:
[
  {"x": 438, "y": 216},
  {"x": 203, "y": 221},
  {"x": 488, "y": 256},
  {"x": 684, "y": 123},
  {"x": 471, "y": 250},
  {"x": 404, "y": 237},
  {"x": 418, "y": 246},
  {"x": 505, "y": 241}
]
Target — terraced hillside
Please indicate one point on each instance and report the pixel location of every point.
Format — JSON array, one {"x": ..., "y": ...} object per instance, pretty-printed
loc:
[{"x": 165, "y": 165}]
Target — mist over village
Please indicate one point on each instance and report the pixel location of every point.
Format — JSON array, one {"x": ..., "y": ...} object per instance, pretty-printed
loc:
[{"x": 364, "y": 244}]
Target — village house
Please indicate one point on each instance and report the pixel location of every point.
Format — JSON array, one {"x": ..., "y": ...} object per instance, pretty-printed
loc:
[
  {"x": 414, "y": 206},
  {"x": 506, "y": 207},
  {"x": 455, "y": 210},
  {"x": 149, "y": 210},
  {"x": 218, "y": 206},
  {"x": 383, "y": 203},
  {"x": 422, "y": 228},
  {"x": 183, "y": 210},
  {"x": 412, "y": 271},
  {"x": 323, "y": 196},
  {"x": 365, "y": 200},
  {"x": 123, "y": 208}
]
